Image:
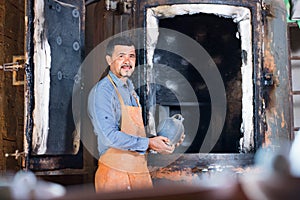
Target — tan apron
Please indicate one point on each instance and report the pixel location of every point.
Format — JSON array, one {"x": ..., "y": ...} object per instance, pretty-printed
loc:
[{"x": 121, "y": 170}]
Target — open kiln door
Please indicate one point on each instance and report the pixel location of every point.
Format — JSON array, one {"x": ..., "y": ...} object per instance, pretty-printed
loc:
[{"x": 55, "y": 43}]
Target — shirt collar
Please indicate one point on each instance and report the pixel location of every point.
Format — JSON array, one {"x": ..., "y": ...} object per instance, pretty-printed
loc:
[{"x": 118, "y": 81}]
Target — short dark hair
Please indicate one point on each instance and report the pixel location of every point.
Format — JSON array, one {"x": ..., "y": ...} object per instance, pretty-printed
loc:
[{"x": 122, "y": 40}]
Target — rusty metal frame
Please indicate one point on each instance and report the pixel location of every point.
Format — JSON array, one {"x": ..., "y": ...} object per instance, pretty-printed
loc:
[
  {"x": 276, "y": 98},
  {"x": 256, "y": 10}
]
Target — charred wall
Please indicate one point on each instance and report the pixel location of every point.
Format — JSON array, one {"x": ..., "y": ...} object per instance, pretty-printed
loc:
[
  {"x": 11, "y": 97},
  {"x": 276, "y": 96}
]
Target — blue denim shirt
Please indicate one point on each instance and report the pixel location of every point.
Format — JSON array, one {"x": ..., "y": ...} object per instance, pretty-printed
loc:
[{"x": 105, "y": 113}]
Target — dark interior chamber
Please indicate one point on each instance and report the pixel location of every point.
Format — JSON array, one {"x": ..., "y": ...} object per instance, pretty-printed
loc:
[{"x": 218, "y": 36}]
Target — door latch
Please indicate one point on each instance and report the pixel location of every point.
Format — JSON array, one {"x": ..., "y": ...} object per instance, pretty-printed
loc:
[{"x": 17, "y": 154}]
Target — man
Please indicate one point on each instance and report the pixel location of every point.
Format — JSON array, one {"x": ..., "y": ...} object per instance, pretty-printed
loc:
[{"x": 115, "y": 112}]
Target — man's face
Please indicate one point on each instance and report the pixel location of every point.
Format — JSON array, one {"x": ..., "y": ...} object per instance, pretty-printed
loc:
[{"x": 122, "y": 61}]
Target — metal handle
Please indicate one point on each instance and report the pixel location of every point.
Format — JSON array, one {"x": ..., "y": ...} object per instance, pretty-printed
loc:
[{"x": 17, "y": 154}]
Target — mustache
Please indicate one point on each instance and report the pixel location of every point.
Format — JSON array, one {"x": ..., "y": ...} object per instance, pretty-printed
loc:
[{"x": 126, "y": 65}]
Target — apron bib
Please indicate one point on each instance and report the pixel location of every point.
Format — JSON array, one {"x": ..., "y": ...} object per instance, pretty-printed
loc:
[
  {"x": 117, "y": 163},
  {"x": 132, "y": 124}
]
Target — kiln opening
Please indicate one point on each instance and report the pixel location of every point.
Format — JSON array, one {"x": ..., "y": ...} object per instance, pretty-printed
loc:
[{"x": 222, "y": 35}]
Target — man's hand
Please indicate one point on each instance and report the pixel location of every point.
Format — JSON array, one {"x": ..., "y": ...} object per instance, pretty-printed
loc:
[{"x": 160, "y": 144}]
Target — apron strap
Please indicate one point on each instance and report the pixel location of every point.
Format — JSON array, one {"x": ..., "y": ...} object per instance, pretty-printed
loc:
[{"x": 118, "y": 93}]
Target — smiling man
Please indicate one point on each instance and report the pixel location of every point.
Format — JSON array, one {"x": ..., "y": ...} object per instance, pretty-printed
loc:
[{"x": 116, "y": 115}]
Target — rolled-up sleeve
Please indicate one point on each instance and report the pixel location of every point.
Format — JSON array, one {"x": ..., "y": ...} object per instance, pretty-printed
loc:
[{"x": 104, "y": 111}]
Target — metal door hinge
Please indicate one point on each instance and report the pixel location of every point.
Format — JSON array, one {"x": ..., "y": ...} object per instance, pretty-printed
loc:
[
  {"x": 120, "y": 6},
  {"x": 18, "y": 63},
  {"x": 9, "y": 67},
  {"x": 125, "y": 7}
]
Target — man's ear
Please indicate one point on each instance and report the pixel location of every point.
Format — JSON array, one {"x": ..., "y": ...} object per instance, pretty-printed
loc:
[{"x": 108, "y": 59}]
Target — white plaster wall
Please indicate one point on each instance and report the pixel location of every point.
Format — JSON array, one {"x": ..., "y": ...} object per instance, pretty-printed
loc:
[{"x": 42, "y": 65}]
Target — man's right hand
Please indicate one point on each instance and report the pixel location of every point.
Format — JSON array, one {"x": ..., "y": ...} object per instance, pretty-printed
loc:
[{"x": 160, "y": 145}]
